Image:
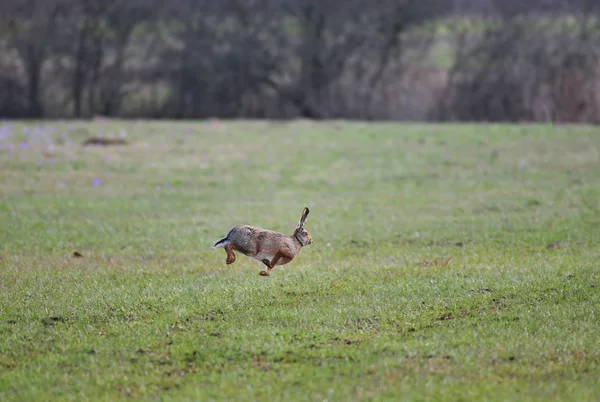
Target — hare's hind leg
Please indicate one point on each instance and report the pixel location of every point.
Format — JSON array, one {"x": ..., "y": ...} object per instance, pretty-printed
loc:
[
  {"x": 282, "y": 255},
  {"x": 230, "y": 255},
  {"x": 268, "y": 271}
]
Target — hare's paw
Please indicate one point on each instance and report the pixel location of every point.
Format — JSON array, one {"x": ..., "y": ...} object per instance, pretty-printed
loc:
[
  {"x": 230, "y": 260},
  {"x": 264, "y": 273}
]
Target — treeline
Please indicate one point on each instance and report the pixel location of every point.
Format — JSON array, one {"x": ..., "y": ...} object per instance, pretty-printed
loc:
[{"x": 464, "y": 60}]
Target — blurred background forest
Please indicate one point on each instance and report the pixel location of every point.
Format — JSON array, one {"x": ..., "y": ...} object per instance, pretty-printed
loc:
[{"x": 407, "y": 60}]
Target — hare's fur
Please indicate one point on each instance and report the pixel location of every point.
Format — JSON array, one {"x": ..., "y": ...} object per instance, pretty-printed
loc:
[{"x": 270, "y": 248}]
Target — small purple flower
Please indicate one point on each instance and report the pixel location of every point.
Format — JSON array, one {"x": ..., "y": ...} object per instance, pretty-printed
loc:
[
  {"x": 4, "y": 131},
  {"x": 52, "y": 161},
  {"x": 157, "y": 188},
  {"x": 63, "y": 185},
  {"x": 23, "y": 146},
  {"x": 97, "y": 181}
]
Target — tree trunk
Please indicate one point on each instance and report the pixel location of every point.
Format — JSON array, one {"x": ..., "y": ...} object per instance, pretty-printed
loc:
[
  {"x": 97, "y": 55},
  {"x": 79, "y": 74},
  {"x": 34, "y": 72}
]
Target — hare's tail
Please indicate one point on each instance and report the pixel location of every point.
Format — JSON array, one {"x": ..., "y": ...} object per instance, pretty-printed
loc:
[{"x": 221, "y": 243}]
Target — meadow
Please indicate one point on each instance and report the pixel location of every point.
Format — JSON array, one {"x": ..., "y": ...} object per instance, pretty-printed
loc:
[{"x": 450, "y": 262}]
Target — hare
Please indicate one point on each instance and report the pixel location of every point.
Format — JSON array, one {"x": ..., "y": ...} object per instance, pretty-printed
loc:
[{"x": 270, "y": 248}]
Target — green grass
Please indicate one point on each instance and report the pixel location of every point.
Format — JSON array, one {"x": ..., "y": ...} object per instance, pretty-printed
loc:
[{"x": 450, "y": 262}]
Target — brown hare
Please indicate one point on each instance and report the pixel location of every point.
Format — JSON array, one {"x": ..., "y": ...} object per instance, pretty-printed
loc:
[{"x": 270, "y": 248}]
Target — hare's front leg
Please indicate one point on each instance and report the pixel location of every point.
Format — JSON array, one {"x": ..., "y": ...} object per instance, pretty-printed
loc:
[
  {"x": 230, "y": 255},
  {"x": 282, "y": 254}
]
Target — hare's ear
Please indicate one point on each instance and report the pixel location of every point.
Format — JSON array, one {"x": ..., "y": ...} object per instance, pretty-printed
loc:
[{"x": 303, "y": 217}]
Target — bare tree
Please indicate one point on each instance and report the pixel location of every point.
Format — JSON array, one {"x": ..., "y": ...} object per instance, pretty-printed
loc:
[
  {"x": 336, "y": 40},
  {"x": 530, "y": 63},
  {"x": 32, "y": 26},
  {"x": 359, "y": 59}
]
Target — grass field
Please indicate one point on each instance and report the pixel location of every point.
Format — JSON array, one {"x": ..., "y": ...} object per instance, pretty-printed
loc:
[{"x": 450, "y": 262}]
